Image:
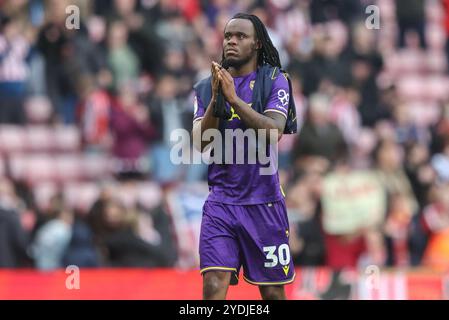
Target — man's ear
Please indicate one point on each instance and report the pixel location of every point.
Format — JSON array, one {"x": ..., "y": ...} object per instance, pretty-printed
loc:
[{"x": 258, "y": 45}]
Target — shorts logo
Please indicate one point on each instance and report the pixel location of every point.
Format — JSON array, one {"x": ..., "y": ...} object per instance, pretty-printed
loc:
[{"x": 286, "y": 268}]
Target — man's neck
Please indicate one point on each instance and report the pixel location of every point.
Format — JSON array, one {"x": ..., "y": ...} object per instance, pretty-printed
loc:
[{"x": 244, "y": 70}]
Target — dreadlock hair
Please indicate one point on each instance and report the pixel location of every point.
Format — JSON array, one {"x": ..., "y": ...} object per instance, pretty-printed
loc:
[{"x": 268, "y": 54}]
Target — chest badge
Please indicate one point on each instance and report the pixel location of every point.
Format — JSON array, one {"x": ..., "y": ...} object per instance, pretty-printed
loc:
[{"x": 251, "y": 84}]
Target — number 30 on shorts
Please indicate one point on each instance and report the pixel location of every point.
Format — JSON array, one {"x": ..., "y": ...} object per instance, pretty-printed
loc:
[{"x": 275, "y": 255}]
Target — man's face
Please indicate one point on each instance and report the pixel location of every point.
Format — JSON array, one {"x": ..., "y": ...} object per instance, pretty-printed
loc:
[{"x": 239, "y": 44}]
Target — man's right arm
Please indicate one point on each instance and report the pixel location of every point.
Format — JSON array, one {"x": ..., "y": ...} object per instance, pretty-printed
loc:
[{"x": 208, "y": 120}]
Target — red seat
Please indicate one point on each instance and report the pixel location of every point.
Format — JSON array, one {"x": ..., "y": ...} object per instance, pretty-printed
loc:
[
  {"x": 39, "y": 138},
  {"x": 410, "y": 61},
  {"x": 127, "y": 193},
  {"x": 412, "y": 87},
  {"x": 40, "y": 167},
  {"x": 67, "y": 138},
  {"x": 38, "y": 109},
  {"x": 2, "y": 167},
  {"x": 68, "y": 167},
  {"x": 95, "y": 166},
  {"x": 43, "y": 192},
  {"x": 17, "y": 166},
  {"x": 149, "y": 195},
  {"x": 437, "y": 88},
  {"x": 435, "y": 35},
  {"x": 423, "y": 113},
  {"x": 12, "y": 138},
  {"x": 436, "y": 61},
  {"x": 81, "y": 195}
]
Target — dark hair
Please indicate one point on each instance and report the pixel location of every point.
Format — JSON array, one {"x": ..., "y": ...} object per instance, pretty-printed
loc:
[{"x": 268, "y": 53}]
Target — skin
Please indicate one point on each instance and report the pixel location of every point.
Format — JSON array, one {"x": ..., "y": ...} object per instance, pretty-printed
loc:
[{"x": 239, "y": 36}]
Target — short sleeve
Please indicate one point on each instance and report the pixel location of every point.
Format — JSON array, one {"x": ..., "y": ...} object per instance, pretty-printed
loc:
[
  {"x": 280, "y": 96},
  {"x": 198, "y": 108}
]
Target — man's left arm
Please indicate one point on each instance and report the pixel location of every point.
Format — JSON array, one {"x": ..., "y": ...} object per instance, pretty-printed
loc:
[{"x": 271, "y": 119}]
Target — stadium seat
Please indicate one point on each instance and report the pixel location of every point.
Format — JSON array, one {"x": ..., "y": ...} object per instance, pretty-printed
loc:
[
  {"x": 437, "y": 87},
  {"x": 434, "y": 12},
  {"x": 67, "y": 138},
  {"x": 17, "y": 166},
  {"x": 39, "y": 138},
  {"x": 12, "y": 138},
  {"x": 387, "y": 8},
  {"x": 40, "y": 167},
  {"x": 2, "y": 167},
  {"x": 149, "y": 195},
  {"x": 127, "y": 193},
  {"x": 95, "y": 166},
  {"x": 423, "y": 113},
  {"x": 81, "y": 195},
  {"x": 68, "y": 167},
  {"x": 410, "y": 61},
  {"x": 38, "y": 109},
  {"x": 411, "y": 87},
  {"x": 436, "y": 61},
  {"x": 43, "y": 192},
  {"x": 32, "y": 168}
]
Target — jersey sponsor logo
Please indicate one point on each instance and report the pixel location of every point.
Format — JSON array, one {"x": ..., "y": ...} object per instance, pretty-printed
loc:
[
  {"x": 234, "y": 115},
  {"x": 283, "y": 97}
]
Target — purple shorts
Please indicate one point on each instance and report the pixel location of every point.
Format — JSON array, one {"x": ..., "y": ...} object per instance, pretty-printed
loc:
[{"x": 252, "y": 236}]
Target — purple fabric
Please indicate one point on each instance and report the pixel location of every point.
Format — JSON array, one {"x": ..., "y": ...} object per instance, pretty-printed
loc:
[
  {"x": 243, "y": 183},
  {"x": 252, "y": 236}
]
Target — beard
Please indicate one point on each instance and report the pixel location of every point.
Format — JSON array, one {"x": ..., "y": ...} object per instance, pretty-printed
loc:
[{"x": 236, "y": 63}]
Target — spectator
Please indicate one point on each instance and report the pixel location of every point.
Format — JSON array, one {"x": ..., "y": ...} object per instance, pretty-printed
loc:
[
  {"x": 13, "y": 238},
  {"x": 388, "y": 156},
  {"x": 419, "y": 171},
  {"x": 114, "y": 229},
  {"x": 320, "y": 141},
  {"x": 436, "y": 224},
  {"x": 168, "y": 114},
  {"x": 407, "y": 132},
  {"x": 364, "y": 82},
  {"x": 53, "y": 237},
  {"x": 81, "y": 250},
  {"x": 446, "y": 27},
  {"x": 94, "y": 112},
  {"x": 14, "y": 70},
  {"x": 122, "y": 59},
  {"x": 411, "y": 17},
  {"x": 131, "y": 131},
  {"x": 306, "y": 238},
  {"x": 440, "y": 162}
]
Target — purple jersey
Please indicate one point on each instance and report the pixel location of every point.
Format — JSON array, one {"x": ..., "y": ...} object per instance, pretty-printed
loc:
[{"x": 242, "y": 183}]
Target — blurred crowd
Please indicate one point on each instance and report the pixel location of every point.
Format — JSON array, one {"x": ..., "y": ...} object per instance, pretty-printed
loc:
[{"x": 371, "y": 103}]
